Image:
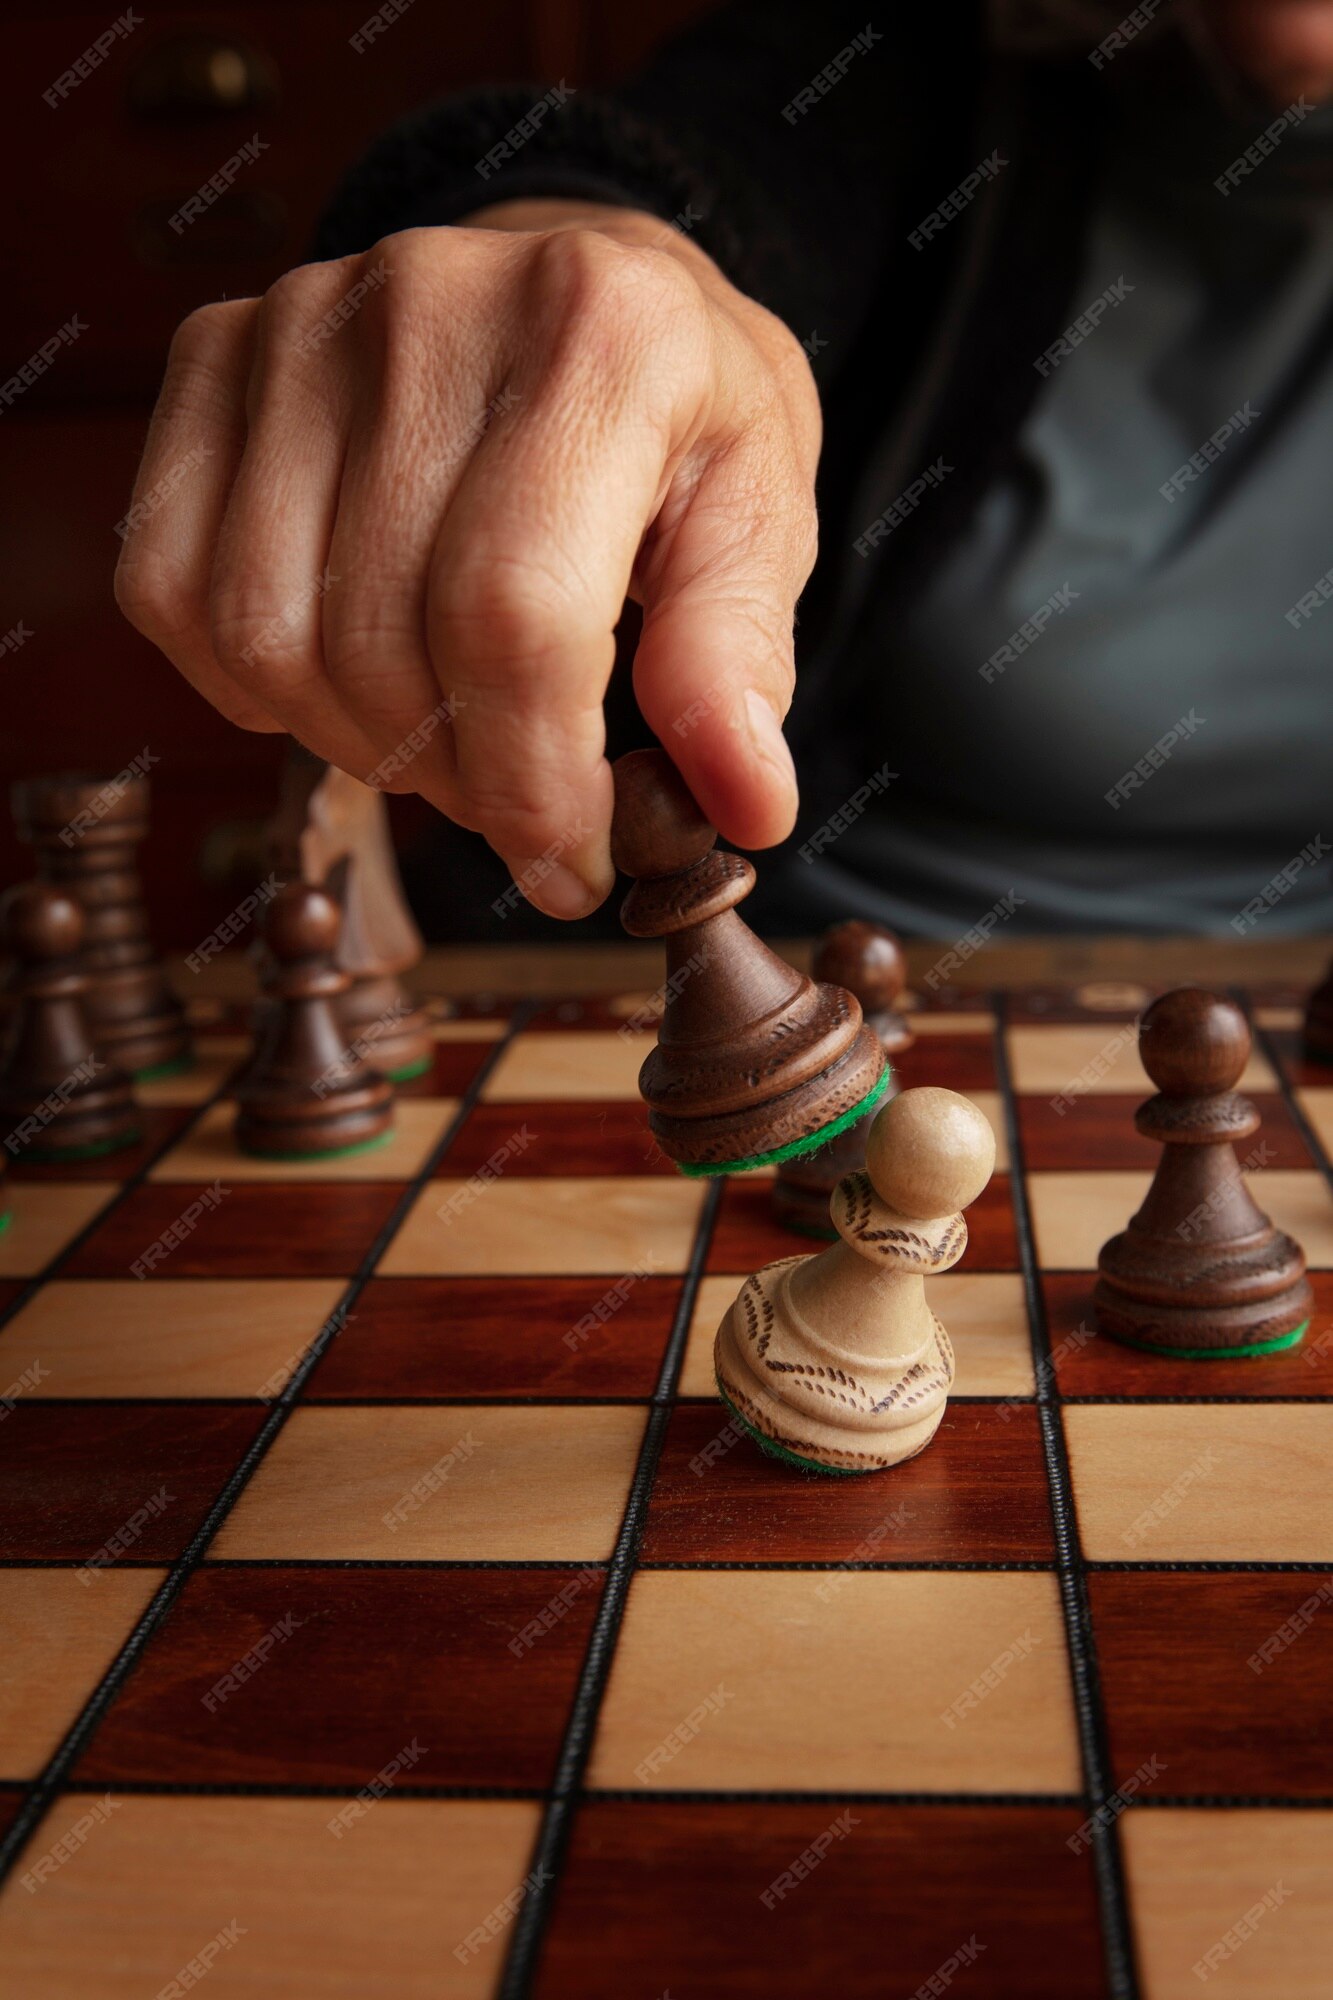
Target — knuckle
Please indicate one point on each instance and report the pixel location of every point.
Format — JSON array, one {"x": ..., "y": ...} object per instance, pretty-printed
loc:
[
  {"x": 506, "y": 613},
  {"x": 253, "y": 639},
  {"x": 154, "y": 594},
  {"x": 206, "y": 337},
  {"x": 590, "y": 279},
  {"x": 207, "y": 362}
]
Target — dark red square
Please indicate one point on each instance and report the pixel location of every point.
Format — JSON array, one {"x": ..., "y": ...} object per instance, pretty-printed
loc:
[
  {"x": 74, "y": 1475},
  {"x": 588, "y": 1136},
  {"x": 953, "y": 1062},
  {"x": 1098, "y": 1132},
  {"x": 748, "y": 1235},
  {"x": 759, "y": 1901},
  {"x": 158, "y": 1124},
  {"x": 542, "y": 1337},
  {"x": 253, "y": 1231},
  {"x": 453, "y": 1066},
  {"x": 1222, "y": 1679},
  {"x": 342, "y": 1668},
  {"x": 1087, "y": 1363},
  {"x": 977, "y": 1493}
]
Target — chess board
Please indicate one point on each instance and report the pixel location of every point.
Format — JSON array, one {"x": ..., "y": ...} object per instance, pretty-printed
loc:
[{"x": 388, "y": 1606}]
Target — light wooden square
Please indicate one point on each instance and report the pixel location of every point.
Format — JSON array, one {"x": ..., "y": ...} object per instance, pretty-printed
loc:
[
  {"x": 984, "y": 1312},
  {"x": 1074, "y": 1213},
  {"x": 1253, "y": 1888},
  {"x": 951, "y": 1024},
  {"x": 759, "y": 1680},
  {"x": 207, "y": 1074},
  {"x": 44, "y": 1215},
  {"x": 1219, "y": 1482},
  {"x": 590, "y": 1063},
  {"x": 493, "y": 1483},
  {"x": 58, "y": 1633},
  {"x": 1098, "y": 1058},
  {"x": 468, "y": 1031},
  {"x": 209, "y": 1151},
  {"x": 512, "y": 1227},
  {"x": 383, "y": 1909},
  {"x": 179, "y": 1337}
]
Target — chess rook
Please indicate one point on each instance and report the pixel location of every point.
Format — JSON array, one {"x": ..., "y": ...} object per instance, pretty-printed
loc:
[
  {"x": 868, "y": 961},
  {"x": 1200, "y": 1271},
  {"x": 754, "y": 1061},
  {"x": 58, "y": 1099},
  {"x": 84, "y": 832},
  {"x": 308, "y": 1093},
  {"x": 835, "y": 1360}
]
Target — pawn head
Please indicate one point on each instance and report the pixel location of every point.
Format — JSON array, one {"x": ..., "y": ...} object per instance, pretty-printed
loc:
[
  {"x": 302, "y": 921},
  {"x": 866, "y": 959},
  {"x": 929, "y": 1152},
  {"x": 1193, "y": 1043},
  {"x": 656, "y": 827},
  {"x": 40, "y": 921}
]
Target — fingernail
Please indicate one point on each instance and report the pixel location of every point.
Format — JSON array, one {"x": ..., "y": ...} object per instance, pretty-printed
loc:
[
  {"x": 557, "y": 890},
  {"x": 766, "y": 737}
]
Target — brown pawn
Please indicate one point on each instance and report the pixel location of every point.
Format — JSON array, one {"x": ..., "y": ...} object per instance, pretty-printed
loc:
[
  {"x": 1319, "y": 1021},
  {"x": 752, "y": 1057},
  {"x": 1200, "y": 1271},
  {"x": 332, "y": 829},
  {"x": 84, "y": 832},
  {"x": 58, "y": 1099},
  {"x": 307, "y": 1093},
  {"x": 868, "y": 960}
]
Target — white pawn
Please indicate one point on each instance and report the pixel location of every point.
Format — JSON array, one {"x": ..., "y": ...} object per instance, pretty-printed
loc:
[{"x": 836, "y": 1361}]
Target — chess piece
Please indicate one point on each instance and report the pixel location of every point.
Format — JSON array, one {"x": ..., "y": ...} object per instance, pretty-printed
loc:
[
  {"x": 83, "y": 832},
  {"x": 868, "y": 960},
  {"x": 333, "y": 830},
  {"x": 754, "y": 1062},
  {"x": 835, "y": 1360},
  {"x": 1200, "y": 1272},
  {"x": 1319, "y": 1021},
  {"x": 307, "y": 1094},
  {"x": 59, "y": 1100}
]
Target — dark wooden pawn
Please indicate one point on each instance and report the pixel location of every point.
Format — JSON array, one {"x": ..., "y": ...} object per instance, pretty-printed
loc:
[
  {"x": 1200, "y": 1271},
  {"x": 307, "y": 1093},
  {"x": 332, "y": 829},
  {"x": 84, "y": 832},
  {"x": 59, "y": 1099},
  {"x": 752, "y": 1056},
  {"x": 1319, "y": 1021},
  {"x": 868, "y": 960}
]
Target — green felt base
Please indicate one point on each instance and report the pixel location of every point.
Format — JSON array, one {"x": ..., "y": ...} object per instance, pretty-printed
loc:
[
  {"x": 776, "y": 1450},
  {"x": 810, "y": 1144},
  {"x": 5, "y": 1220},
  {"x": 336, "y": 1153},
  {"x": 409, "y": 1070},
  {"x": 56, "y": 1155},
  {"x": 1219, "y": 1353},
  {"x": 176, "y": 1067}
]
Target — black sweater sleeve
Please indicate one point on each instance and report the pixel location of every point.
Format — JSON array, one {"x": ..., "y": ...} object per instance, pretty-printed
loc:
[{"x": 773, "y": 132}]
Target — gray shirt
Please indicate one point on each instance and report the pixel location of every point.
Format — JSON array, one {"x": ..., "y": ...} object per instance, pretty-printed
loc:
[{"x": 1109, "y": 699}]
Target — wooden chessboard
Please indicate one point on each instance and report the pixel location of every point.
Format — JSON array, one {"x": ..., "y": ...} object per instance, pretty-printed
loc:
[{"x": 388, "y": 1607}]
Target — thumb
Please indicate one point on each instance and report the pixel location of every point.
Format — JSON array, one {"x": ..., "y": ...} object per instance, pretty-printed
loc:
[{"x": 715, "y": 670}]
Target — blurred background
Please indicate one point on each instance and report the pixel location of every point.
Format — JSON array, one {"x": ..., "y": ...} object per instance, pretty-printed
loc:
[{"x": 95, "y": 179}]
